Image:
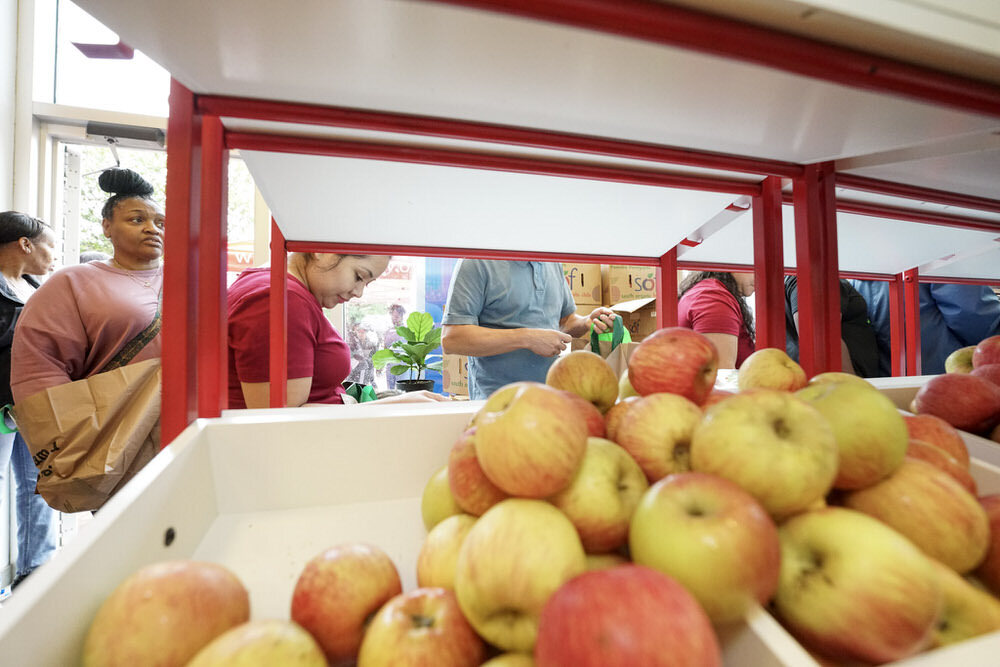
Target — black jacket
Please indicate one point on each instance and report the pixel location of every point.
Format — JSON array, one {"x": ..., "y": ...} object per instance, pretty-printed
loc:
[{"x": 10, "y": 310}]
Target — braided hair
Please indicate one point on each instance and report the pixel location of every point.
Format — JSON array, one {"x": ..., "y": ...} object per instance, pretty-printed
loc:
[
  {"x": 122, "y": 184},
  {"x": 14, "y": 225},
  {"x": 729, "y": 282}
]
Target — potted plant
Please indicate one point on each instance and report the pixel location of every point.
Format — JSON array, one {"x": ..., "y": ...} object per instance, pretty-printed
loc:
[{"x": 412, "y": 354}]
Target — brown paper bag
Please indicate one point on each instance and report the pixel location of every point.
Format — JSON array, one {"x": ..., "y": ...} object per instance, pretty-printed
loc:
[
  {"x": 615, "y": 351},
  {"x": 91, "y": 436}
]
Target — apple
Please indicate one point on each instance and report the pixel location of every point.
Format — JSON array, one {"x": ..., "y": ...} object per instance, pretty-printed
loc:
[
  {"x": 674, "y": 360},
  {"x": 989, "y": 372},
  {"x": 528, "y": 441},
  {"x": 871, "y": 434},
  {"x": 604, "y": 561},
  {"x": 602, "y": 496},
  {"x": 986, "y": 352},
  {"x": 627, "y": 615},
  {"x": 588, "y": 413},
  {"x": 625, "y": 388},
  {"x": 988, "y": 571},
  {"x": 715, "y": 396},
  {"x": 657, "y": 431},
  {"x": 966, "y": 402},
  {"x": 839, "y": 376},
  {"x": 518, "y": 553},
  {"x": 851, "y": 587},
  {"x": 511, "y": 660},
  {"x": 612, "y": 418},
  {"x": 967, "y": 611},
  {"x": 939, "y": 433},
  {"x": 437, "y": 502},
  {"x": 439, "y": 553},
  {"x": 261, "y": 642},
  {"x": 929, "y": 507},
  {"x": 712, "y": 537},
  {"x": 776, "y": 446},
  {"x": 164, "y": 613},
  {"x": 587, "y": 375},
  {"x": 422, "y": 628},
  {"x": 474, "y": 493},
  {"x": 770, "y": 368},
  {"x": 939, "y": 458},
  {"x": 338, "y": 590},
  {"x": 959, "y": 361}
]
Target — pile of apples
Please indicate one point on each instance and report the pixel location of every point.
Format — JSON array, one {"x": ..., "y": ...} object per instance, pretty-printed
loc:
[
  {"x": 598, "y": 520},
  {"x": 967, "y": 395}
]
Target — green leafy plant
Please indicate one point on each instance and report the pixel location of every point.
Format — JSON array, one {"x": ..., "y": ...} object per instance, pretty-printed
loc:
[{"x": 412, "y": 354}]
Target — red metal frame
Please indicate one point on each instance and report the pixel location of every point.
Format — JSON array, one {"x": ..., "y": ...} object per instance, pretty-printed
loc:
[
  {"x": 908, "y": 191},
  {"x": 816, "y": 262},
  {"x": 769, "y": 258},
  {"x": 278, "y": 363},
  {"x": 897, "y": 323},
  {"x": 666, "y": 290},
  {"x": 911, "y": 309}
]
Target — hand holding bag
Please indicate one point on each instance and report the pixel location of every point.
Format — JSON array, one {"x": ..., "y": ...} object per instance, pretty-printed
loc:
[{"x": 616, "y": 346}]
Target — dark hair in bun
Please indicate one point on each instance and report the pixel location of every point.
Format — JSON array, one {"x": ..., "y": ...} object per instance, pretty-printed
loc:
[{"x": 122, "y": 184}]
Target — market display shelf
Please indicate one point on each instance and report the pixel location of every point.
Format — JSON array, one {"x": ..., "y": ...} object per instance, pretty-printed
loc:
[{"x": 263, "y": 491}]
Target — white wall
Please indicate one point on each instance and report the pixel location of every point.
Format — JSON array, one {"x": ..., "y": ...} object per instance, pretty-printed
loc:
[{"x": 8, "y": 73}]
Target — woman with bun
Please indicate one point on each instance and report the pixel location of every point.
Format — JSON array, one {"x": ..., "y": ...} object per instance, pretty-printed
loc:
[
  {"x": 93, "y": 317},
  {"x": 27, "y": 250}
]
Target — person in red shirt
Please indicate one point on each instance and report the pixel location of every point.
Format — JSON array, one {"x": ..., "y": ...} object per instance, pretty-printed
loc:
[
  {"x": 714, "y": 303},
  {"x": 318, "y": 358}
]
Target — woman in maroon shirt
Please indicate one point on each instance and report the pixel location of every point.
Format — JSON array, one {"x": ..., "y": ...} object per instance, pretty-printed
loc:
[{"x": 714, "y": 303}]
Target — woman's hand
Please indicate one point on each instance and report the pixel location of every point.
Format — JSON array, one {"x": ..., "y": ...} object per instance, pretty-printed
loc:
[{"x": 422, "y": 396}]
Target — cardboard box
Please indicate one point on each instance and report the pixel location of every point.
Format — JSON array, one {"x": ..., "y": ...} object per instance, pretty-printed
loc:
[
  {"x": 627, "y": 283},
  {"x": 455, "y": 374},
  {"x": 585, "y": 282},
  {"x": 638, "y": 316}
]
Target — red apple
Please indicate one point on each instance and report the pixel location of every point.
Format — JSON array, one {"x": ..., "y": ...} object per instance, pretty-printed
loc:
[
  {"x": 674, "y": 360},
  {"x": 966, "y": 402},
  {"x": 438, "y": 555},
  {"x": 625, "y": 616},
  {"x": 989, "y": 372},
  {"x": 422, "y": 628},
  {"x": 927, "y": 506},
  {"x": 715, "y": 396},
  {"x": 336, "y": 593},
  {"x": 987, "y": 352},
  {"x": 529, "y": 440},
  {"x": 711, "y": 536},
  {"x": 939, "y": 433},
  {"x": 771, "y": 368},
  {"x": 939, "y": 458},
  {"x": 163, "y": 614},
  {"x": 988, "y": 571},
  {"x": 471, "y": 488},
  {"x": 657, "y": 431},
  {"x": 612, "y": 418},
  {"x": 587, "y": 375},
  {"x": 589, "y": 413}
]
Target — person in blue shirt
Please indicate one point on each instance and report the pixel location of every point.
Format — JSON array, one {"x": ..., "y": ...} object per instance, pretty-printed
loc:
[
  {"x": 512, "y": 319},
  {"x": 951, "y": 317}
]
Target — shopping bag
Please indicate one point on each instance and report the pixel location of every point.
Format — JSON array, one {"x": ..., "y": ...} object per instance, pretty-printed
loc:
[
  {"x": 615, "y": 346},
  {"x": 361, "y": 393},
  {"x": 89, "y": 437}
]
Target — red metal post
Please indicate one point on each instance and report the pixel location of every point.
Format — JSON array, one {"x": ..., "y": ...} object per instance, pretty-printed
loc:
[
  {"x": 179, "y": 333},
  {"x": 212, "y": 356},
  {"x": 666, "y": 290},
  {"x": 769, "y": 265},
  {"x": 816, "y": 260},
  {"x": 278, "y": 306},
  {"x": 911, "y": 298},
  {"x": 896, "y": 319}
]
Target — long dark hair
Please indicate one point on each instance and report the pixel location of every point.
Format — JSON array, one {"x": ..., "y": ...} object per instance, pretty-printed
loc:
[
  {"x": 122, "y": 184},
  {"x": 14, "y": 225},
  {"x": 729, "y": 283}
]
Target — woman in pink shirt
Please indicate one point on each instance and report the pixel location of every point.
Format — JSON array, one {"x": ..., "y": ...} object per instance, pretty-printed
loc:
[
  {"x": 714, "y": 303},
  {"x": 92, "y": 317}
]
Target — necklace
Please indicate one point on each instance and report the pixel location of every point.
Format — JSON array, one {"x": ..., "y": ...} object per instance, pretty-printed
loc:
[{"x": 148, "y": 283}]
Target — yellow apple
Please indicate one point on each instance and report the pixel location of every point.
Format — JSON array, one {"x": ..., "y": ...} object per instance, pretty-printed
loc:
[
  {"x": 587, "y": 375},
  {"x": 261, "y": 644},
  {"x": 967, "y": 611},
  {"x": 511, "y": 660},
  {"x": 437, "y": 502},
  {"x": 840, "y": 376},
  {"x": 439, "y": 553},
  {"x": 605, "y": 561},
  {"x": 770, "y": 368}
]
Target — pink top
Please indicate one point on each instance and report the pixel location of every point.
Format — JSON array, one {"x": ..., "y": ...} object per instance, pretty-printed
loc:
[
  {"x": 708, "y": 307},
  {"x": 315, "y": 349},
  {"x": 77, "y": 321}
]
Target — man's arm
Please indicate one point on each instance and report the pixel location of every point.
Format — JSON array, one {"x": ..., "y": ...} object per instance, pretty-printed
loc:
[
  {"x": 476, "y": 341},
  {"x": 972, "y": 312},
  {"x": 578, "y": 325}
]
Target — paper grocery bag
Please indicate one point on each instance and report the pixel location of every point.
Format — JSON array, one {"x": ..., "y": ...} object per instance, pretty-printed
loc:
[
  {"x": 91, "y": 436},
  {"x": 615, "y": 351}
]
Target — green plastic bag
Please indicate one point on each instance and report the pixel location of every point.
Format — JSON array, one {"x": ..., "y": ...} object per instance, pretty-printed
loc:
[
  {"x": 7, "y": 424},
  {"x": 618, "y": 335},
  {"x": 362, "y": 393}
]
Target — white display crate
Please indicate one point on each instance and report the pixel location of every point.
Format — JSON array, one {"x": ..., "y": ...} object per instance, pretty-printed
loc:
[{"x": 263, "y": 491}]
